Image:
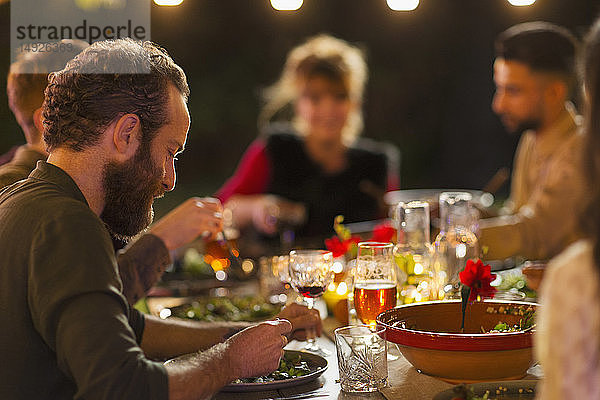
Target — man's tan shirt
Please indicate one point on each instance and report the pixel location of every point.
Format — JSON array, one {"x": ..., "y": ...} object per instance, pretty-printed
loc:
[{"x": 547, "y": 195}]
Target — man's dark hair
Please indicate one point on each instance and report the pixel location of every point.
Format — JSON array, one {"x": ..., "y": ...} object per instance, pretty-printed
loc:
[
  {"x": 542, "y": 46},
  {"x": 106, "y": 80}
]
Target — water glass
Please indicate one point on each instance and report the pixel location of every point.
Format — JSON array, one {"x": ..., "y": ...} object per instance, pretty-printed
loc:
[
  {"x": 413, "y": 223},
  {"x": 362, "y": 358}
]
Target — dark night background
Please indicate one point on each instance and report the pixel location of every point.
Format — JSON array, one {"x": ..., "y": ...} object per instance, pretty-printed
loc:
[{"x": 429, "y": 91}]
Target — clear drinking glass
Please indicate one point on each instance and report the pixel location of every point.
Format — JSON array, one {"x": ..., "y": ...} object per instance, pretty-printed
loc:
[
  {"x": 362, "y": 361},
  {"x": 375, "y": 283},
  {"x": 413, "y": 223},
  {"x": 413, "y": 251},
  {"x": 273, "y": 276},
  {"x": 310, "y": 273}
]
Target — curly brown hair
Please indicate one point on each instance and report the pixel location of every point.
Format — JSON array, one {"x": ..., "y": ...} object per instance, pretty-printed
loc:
[{"x": 106, "y": 80}]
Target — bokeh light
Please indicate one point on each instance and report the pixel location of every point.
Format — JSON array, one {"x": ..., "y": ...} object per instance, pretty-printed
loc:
[
  {"x": 520, "y": 3},
  {"x": 286, "y": 5},
  {"x": 168, "y": 2},
  {"x": 403, "y": 5}
]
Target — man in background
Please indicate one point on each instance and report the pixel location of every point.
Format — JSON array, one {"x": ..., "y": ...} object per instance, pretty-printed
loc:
[
  {"x": 535, "y": 78},
  {"x": 141, "y": 264}
]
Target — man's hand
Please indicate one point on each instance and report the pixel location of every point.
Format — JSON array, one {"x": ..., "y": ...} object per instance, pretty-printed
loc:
[
  {"x": 192, "y": 218},
  {"x": 257, "y": 350},
  {"x": 252, "y": 352},
  {"x": 302, "y": 319}
]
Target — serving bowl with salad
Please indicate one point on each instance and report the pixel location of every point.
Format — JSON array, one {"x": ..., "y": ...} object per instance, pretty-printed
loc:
[{"x": 496, "y": 343}]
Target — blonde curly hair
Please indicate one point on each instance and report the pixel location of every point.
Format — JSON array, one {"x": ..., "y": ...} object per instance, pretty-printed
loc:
[{"x": 322, "y": 55}]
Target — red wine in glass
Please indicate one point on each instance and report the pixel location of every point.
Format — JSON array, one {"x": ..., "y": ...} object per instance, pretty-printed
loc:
[{"x": 310, "y": 273}]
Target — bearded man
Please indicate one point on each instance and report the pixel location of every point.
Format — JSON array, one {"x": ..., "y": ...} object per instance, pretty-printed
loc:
[
  {"x": 67, "y": 330},
  {"x": 144, "y": 260},
  {"x": 535, "y": 77}
]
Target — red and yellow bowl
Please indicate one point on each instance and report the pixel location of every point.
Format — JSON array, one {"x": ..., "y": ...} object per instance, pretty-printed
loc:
[{"x": 428, "y": 335}]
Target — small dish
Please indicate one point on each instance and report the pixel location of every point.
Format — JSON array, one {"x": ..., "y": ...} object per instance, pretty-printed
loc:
[{"x": 503, "y": 390}]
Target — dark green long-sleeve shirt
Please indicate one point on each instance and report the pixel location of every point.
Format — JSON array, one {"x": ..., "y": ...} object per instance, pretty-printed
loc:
[
  {"x": 65, "y": 327},
  {"x": 141, "y": 264}
]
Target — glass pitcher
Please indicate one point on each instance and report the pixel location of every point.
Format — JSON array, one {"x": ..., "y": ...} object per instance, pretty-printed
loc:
[{"x": 455, "y": 244}]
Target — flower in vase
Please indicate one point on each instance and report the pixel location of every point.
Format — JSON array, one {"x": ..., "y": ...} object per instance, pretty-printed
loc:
[{"x": 478, "y": 277}]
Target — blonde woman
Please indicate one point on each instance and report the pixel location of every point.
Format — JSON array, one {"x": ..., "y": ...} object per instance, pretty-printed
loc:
[{"x": 309, "y": 165}]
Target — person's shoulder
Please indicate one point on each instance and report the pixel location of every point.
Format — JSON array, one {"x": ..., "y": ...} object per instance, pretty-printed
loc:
[
  {"x": 281, "y": 133},
  {"x": 40, "y": 198},
  {"x": 577, "y": 258},
  {"x": 10, "y": 174},
  {"x": 527, "y": 140},
  {"x": 281, "y": 142}
]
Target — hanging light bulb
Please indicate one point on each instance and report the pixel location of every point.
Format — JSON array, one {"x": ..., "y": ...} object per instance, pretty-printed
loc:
[
  {"x": 403, "y": 5},
  {"x": 286, "y": 5},
  {"x": 168, "y": 2},
  {"x": 520, "y": 3}
]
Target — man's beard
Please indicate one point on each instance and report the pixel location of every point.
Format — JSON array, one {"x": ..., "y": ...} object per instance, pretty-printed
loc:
[
  {"x": 526, "y": 125},
  {"x": 129, "y": 191}
]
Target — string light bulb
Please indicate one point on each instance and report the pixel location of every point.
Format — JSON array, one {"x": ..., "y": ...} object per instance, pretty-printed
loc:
[
  {"x": 286, "y": 5},
  {"x": 521, "y": 3},
  {"x": 403, "y": 5},
  {"x": 168, "y": 2}
]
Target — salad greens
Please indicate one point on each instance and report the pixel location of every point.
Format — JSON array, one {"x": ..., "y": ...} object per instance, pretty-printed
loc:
[
  {"x": 248, "y": 308},
  {"x": 527, "y": 322},
  {"x": 464, "y": 392},
  {"x": 290, "y": 366}
]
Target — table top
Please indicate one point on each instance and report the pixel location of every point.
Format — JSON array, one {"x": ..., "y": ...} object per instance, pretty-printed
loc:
[
  {"x": 325, "y": 384},
  {"x": 405, "y": 382}
]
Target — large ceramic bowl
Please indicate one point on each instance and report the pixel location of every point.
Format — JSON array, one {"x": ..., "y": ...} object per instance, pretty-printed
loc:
[{"x": 428, "y": 335}]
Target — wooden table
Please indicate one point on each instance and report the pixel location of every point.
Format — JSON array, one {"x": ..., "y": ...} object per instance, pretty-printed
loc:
[
  {"x": 403, "y": 379},
  {"x": 405, "y": 382}
]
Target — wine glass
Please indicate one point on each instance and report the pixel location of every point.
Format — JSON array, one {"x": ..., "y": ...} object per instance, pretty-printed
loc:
[
  {"x": 374, "y": 281},
  {"x": 310, "y": 274}
]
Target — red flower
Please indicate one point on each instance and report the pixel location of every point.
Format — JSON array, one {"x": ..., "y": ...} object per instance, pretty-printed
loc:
[
  {"x": 478, "y": 277},
  {"x": 383, "y": 232},
  {"x": 339, "y": 248}
]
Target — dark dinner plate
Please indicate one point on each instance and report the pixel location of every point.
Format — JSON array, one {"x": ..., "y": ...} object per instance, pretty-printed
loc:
[
  {"x": 502, "y": 390},
  {"x": 316, "y": 364}
]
